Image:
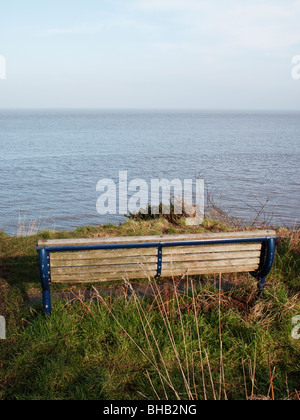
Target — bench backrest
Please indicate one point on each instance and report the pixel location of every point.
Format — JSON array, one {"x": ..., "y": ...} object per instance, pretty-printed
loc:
[{"x": 105, "y": 259}]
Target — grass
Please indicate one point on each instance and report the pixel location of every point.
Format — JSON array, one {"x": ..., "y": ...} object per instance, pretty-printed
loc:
[{"x": 196, "y": 341}]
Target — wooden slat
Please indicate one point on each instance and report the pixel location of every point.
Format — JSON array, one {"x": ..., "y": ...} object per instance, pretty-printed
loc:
[
  {"x": 98, "y": 277},
  {"x": 89, "y": 257},
  {"x": 111, "y": 253},
  {"x": 211, "y": 248},
  {"x": 211, "y": 256},
  {"x": 211, "y": 264},
  {"x": 100, "y": 261},
  {"x": 79, "y": 274},
  {"x": 153, "y": 251},
  {"x": 202, "y": 271},
  {"x": 156, "y": 238},
  {"x": 74, "y": 262},
  {"x": 119, "y": 269}
]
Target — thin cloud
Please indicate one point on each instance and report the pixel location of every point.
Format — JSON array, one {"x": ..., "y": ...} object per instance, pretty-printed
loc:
[
  {"x": 255, "y": 24},
  {"x": 67, "y": 31},
  {"x": 169, "y": 5},
  {"x": 105, "y": 23}
]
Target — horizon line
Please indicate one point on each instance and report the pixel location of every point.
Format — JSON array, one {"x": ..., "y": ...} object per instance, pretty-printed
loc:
[{"x": 147, "y": 109}]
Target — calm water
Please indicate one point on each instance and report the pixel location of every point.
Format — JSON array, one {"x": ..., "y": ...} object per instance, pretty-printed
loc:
[{"x": 51, "y": 161}]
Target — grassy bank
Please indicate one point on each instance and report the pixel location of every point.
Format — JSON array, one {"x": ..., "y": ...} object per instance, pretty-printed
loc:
[{"x": 188, "y": 340}]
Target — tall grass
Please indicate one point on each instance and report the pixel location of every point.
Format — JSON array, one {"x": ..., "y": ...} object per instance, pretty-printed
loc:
[
  {"x": 199, "y": 341},
  {"x": 32, "y": 227},
  {"x": 27, "y": 229},
  {"x": 189, "y": 369}
]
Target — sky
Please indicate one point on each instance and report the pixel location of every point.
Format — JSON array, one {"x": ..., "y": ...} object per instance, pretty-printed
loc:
[{"x": 150, "y": 54}]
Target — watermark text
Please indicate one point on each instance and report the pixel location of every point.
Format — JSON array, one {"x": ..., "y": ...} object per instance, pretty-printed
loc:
[
  {"x": 2, "y": 328},
  {"x": 137, "y": 196},
  {"x": 296, "y": 67},
  {"x": 296, "y": 330},
  {"x": 2, "y": 67}
]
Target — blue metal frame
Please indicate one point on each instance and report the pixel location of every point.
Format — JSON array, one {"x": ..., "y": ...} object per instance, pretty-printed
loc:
[
  {"x": 266, "y": 260},
  {"x": 159, "y": 260},
  {"x": 44, "y": 261}
]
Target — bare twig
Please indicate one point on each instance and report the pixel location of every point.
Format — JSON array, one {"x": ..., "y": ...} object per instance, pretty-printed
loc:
[{"x": 271, "y": 377}]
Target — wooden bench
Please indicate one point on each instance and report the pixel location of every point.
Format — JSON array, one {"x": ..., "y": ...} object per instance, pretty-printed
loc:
[{"x": 108, "y": 259}]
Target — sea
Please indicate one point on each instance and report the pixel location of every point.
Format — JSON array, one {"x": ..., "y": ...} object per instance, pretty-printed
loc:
[{"x": 52, "y": 160}]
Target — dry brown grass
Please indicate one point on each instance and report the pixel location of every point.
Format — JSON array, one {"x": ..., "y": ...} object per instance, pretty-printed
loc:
[{"x": 290, "y": 237}]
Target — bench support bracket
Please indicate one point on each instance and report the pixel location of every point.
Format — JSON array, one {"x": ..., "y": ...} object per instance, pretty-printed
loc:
[
  {"x": 44, "y": 261},
  {"x": 159, "y": 260},
  {"x": 266, "y": 262}
]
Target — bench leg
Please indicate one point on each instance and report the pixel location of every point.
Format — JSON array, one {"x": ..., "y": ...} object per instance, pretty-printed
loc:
[
  {"x": 47, "y": 302},
  {"x": 266, "y": 262},
  {"x": 261, "y": 286},
  {"x": 45, "y": 280}
]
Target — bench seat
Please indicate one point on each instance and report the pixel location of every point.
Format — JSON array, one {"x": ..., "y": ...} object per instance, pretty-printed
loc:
[{"x": 116, "y": 258}]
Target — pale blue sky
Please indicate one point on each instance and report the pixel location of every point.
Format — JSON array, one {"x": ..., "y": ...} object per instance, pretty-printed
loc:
[{"x": 203, "y": 54}]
